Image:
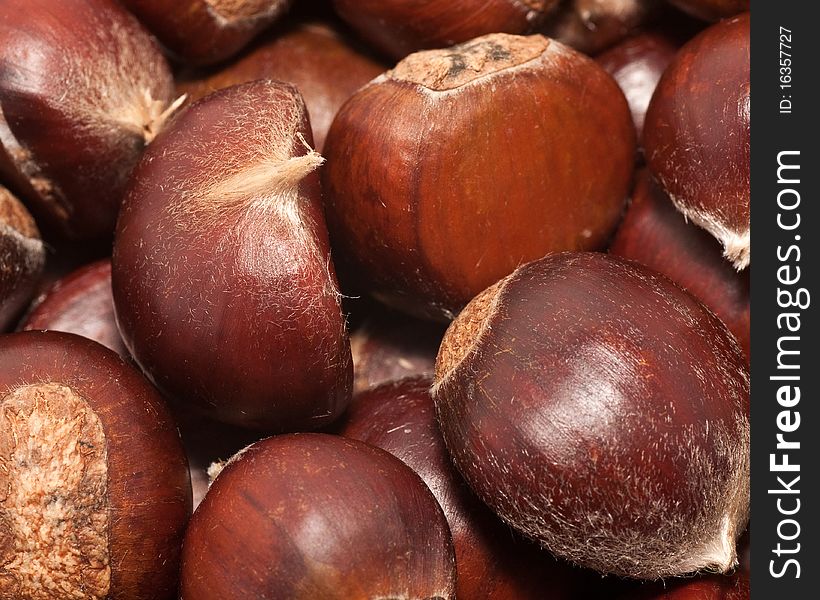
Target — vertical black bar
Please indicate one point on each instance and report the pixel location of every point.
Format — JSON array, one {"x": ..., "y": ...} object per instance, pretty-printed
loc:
[{"x": 785, "y": 363}]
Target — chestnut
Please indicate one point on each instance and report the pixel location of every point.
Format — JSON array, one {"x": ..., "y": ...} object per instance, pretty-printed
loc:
[
  {"x": 83, "y": 89},
  {"x": 224, "y": 289},
  {"x": 207, "y": 31},
  {"x": 80, "y": 303},
  {"x": 22, "y": 257},
  {"x": 594, "y": 25},
  {"x": 491, "y": 563},
  {"x": 696, "y": 135},
  {"x": 399, "y": 27},
  {"x": 447, "y": 172},
  {"x": 388, "y": 346},
  {"x": 317, "y": 516},
  {"x": 637, "y": 64},
  {"x": 655, "y": 234},
  {"x": 712, "y": 10},
  {"x": 318, "y": 59},
  {"x": 96, "y": 493},
  {"x": 713, "y": 587},
  {"x": 600, "y": 409}
]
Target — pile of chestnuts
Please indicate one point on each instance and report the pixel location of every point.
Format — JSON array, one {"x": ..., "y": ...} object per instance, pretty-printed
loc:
[{"x": 374, "y": 299}]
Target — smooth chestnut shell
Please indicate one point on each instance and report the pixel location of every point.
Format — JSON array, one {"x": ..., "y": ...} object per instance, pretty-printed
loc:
[
  {"x": 399, "y": 27},
  {"x": 96, "y": 492},
  {"x": 658, "y": 236},
  {"x": 594, "y": 25},
  {"x": 492, "y": 563},
  {"x": 323, "y": 64},
  {"x": 224, "y": 289},
  {"x": 603, "y": 411},
  {"x": 452, "y": 169},
  {"x": 83, "y": 89},
  {"x": 80, "y": 303},
  {"x": 207, "y": 31},
  {"x": 696, "y": 135},
  {"x": 637, "y": 64},
  {"x": 22, "y": 258},
  {"x": 317, "y": 516},
  {"x": 712, "y": 10},
  {"x": 713, "y": 587}
]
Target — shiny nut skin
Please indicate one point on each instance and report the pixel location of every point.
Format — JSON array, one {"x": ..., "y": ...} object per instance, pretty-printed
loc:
[{"x": 602, "y": 410}]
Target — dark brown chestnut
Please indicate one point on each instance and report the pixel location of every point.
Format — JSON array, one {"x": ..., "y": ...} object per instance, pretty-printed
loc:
[
  {"x": 399, "y": 27},
  {"x": 388, "y": 346},
  {"x": 434, "y": 193},
  {"x": 594, "y": 25},
  {"x": 713, "y": 587},
  {"x": 491, "y": 562},
  {"x": 658, "y": 236},
  {"x": 207, "y": 31},
  {"x": 80, "y": 303},
  {"x": 22, "y": 257},
  {"x": 602, "y": 410},
  {"x": 83, "y": 89},
  {"x": 712, "y": 10},
  {"x": 317, "y": 516},
  {"x": 696, "y": 135},
  {"x": 224, "y": 289},
  {"x": 324, "y": 65},
  {"x": 637, "y": 64},
  {"x": 95, "y": 487}
]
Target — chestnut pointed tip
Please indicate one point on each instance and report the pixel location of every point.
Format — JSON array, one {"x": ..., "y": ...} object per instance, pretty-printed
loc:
[{"x": 737, "y": 248}]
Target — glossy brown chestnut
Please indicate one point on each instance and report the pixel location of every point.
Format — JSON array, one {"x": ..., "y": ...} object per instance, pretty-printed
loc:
[
  {"x": 491, "y": 562},
  {"x": 22, "y": 257},
  {"x": 399, "y": 27},
  {"x": 656, "y": 235},
  {"x": 96, "y": 493},
  {"x": 452, "y": 169},
  {"x": 83, "y": 89},
  {"x": 206, "y": 31},
  {"x": 712, "y": 10},
  {"x": 713, "y": 587},
  {"x": 324, "y": 65},
  {"x": 80, "y": 303},
  {"x": 308, "y": 516},
  {"x": 637, "y": 64},
  {"x": 223, "y": 285},
  {"x": 696, "y": 136},
  {"x": 603, "y": 411},
  {"x": 388, "y": 346},
  {"x": 594, "y": 25}
]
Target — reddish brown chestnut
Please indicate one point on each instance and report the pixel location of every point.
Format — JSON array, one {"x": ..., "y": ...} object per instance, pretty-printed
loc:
[
  {"x": 223, "y": 285},
  {"x": 434, "y": 192},
  {"x": 96, "y": 493},
  {"x": 637, "y": 64},
  {"x": 593, "y": 25},
  {"x": 714, "y": 587},
  {"x": 656, "y": 235},
  {"x": 399, "y": 27},
  {"x": 207, "y": 31},
  {"x": 491, "y": 562},
  {"x": 388, "y": 346},
  {"x": 83, "y": 89},
  {"x": 603, "y": 411},
  {"x": 317, "y": 516},
  {"x": 712, "y": 10},
  {"x": 22, "y": 257},
  {"x": 321, "y": 62},
  {"x": 80, "y": 303},
  {"x": 696, "y": 135}
]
